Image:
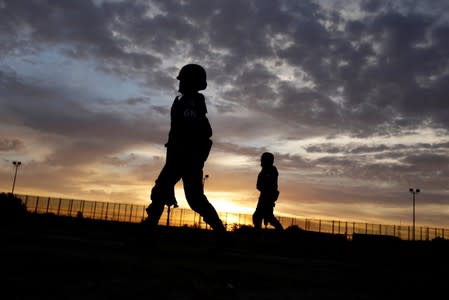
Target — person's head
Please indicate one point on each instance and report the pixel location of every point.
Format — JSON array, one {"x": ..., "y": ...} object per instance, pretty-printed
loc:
[
  {"x": 192, "y": 78},
  {"x": 267, "y": 159}
]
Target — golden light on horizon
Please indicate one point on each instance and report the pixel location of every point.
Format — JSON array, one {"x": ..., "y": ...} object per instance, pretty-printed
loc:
[{"x": 222, "y": 201}]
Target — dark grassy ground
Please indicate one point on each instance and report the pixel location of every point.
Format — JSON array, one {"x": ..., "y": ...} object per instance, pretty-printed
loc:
[{"x": 64, "y": 258}]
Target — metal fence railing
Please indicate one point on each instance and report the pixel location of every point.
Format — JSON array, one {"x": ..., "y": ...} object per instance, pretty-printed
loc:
[{"x": 185, "y": 217}]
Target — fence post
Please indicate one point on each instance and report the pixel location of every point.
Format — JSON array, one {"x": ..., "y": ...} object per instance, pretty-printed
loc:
[
  {"x": 131, "y": 213},
  {"x": 333, "y": 222},
  {"x": 319, "y": 226},
  {"x": 102, "y": 211},
  {"x": 180, "y": 217},
  {"x": 70, "y": 207},
  {"x": 82, "y": 207},
  {"x": 113, "y": 211},
  {"x": 37, "y": 203},
  {"x": 126, "y": 209},
  {"x": 106, "y": 214},
  {"x": 48, "y": 205},
  {"x": 59, "y": 206},
  {"x": 168, "y": 216}
]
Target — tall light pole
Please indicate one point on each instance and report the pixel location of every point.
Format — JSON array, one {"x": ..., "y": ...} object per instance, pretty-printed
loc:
[
  {"x": 16, "y": 165},
  {"x": 414, "y": 191}
]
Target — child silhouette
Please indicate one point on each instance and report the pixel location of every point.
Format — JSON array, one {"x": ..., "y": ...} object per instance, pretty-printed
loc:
[
  {"x": 267, "y": 184},
  {"x": 188, "y": 147}
]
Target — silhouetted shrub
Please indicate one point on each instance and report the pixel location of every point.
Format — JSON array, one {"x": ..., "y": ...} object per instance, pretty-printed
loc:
[
  {"x": 294, "y": 228},
  {"x": 244, "y": 228},
  {"x": 234, "y": 227},
  {"x": 11, "y": 208},
  {"x": 440, "y": 240}
]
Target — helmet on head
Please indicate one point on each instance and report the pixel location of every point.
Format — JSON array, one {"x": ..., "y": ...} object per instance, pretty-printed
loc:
[
  {"x": 194, "y": 74},
  {"x": 267, "y": 159}
]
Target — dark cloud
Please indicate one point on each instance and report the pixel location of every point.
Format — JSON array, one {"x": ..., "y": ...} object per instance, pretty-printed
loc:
[
  {"x": 393, "y": 167},
  {"x": 371, "y": 5},
  {"x": 330, "y": 148},
  {"x": 307, "y": 107},
  {"x": 370, "y": 63},
  {"x": 10, "y": 145},
  {"x": 428, "y": 162},
  {"x": 82, "y": 153},
  {"x": 48, "y": 110},
  {"x": 82, "y": 29},
  {"x": 287, "y": 162},
  {"x": 82, "y": 136}
]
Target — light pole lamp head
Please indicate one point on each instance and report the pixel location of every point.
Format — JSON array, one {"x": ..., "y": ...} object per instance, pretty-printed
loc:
[
  {"x": 411, "y": 190},
  {"x": 417, "y": 190}
]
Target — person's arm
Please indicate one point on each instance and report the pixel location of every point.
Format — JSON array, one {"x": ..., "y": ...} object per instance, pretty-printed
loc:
[
  {"x": 173, "y": 122},
  {"x": 258, "y": 185},
  {"x": 275, "y": 186},
  {"x": 205, "y": 129}
]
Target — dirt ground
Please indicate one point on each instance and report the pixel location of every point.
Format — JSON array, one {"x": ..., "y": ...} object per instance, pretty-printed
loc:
[{"x": 64, "y": 258}]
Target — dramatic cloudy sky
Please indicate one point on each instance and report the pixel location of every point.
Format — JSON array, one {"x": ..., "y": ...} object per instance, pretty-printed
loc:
[{"x": 351, "y": 97}]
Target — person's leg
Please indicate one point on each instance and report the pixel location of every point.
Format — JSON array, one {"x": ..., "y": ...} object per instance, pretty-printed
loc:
[
  {"x": 273, "y": 221},
  {"x": 257, "y": 217},
  {"x": 163, "y": 192},
  {"x": 265, "y": 222},
  {"x": 194, "y": 191}
]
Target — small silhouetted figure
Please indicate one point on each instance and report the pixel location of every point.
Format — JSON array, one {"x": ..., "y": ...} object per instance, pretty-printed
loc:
[
  {"x": 188, "y": 146},
  {"x": 267, "y": 184}
]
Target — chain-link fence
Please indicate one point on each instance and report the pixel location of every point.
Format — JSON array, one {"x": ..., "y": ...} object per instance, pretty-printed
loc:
[{"x": 185, "y": 217}]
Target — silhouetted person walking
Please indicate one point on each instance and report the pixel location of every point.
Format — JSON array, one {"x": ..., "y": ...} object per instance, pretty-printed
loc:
[
  {"x": 267, "y": 184},
  {"x": 188, "y": 147}
]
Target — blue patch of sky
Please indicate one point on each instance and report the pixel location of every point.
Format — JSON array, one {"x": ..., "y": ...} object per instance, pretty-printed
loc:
[{"x": 51, "y": 68}]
